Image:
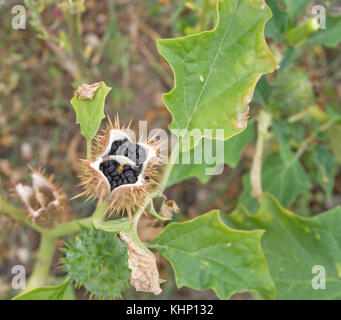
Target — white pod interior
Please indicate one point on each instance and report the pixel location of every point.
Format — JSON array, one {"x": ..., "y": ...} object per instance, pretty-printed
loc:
[{"x": 117, "y": 135}]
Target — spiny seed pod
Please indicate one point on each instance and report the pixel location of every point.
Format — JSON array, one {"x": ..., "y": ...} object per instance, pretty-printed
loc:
[
  {"x": 45, "y": 202},
  {"x": 98, "y": 260},
  {"x": 120, "y": 171}
]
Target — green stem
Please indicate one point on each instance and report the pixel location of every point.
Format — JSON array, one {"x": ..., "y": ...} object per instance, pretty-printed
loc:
[
  {"x": 264, "y": 122},
  {"x": 74, "y": 23},
  {"x": 305, "y": 144},
  {"x": 312, "y": 111},
  {"x": 71, "y": 227},
  {"x": 161, "y": 187},
  {"x": 42, "y": 266},
  {"x": 20, "y": 215}
]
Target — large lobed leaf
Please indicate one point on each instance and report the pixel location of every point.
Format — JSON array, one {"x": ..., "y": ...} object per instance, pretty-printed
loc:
[
  {"x": 205, "y": 254},
  {"x": 216, "y": 71},
  {"x": 294, "y": 245}
]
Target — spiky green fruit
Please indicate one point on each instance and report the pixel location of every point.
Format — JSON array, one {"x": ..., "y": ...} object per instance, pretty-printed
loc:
[{"x": 98, "y": 260}]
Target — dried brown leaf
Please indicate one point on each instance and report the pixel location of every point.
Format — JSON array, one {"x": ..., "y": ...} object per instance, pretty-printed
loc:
[
  {"x": 87, "y": 91},
  {"x": 144, "y": 272},
  {"x": 167, "y": 208}
]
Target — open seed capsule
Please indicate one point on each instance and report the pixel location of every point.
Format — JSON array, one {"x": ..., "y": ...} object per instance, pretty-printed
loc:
[{"x": 118, "y": 168}]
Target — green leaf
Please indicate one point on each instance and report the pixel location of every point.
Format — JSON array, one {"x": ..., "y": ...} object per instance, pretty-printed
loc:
[
  {"x": 216, "y": 71},
  {"x": 58, "y": 292},
  {"x": 116, "y": 225},
  {"x": 327, "y": 168},
  {"x": 294, "y": 245},
  {"x": 89, "y": 112},
  {"x": 284, "y": 133},
  {"x": 286, "y": 181},
  {"x": 334, "y": 134},
  {"x": 231, "y": 154},
  {"x": 329, "y": 37},
  {"x": 205, "y": 254},
  {"x": 276, "y": 26},
  {"x": 295, "y": 7}
]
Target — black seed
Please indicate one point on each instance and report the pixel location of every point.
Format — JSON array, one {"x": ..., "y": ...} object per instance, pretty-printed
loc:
[
  {"x": 136, "y": 168},
  {"x": 147, "y": 178},
  {"x": 113, "y": 184},
  {"x": 116, "y": 178},
  {"x": 132, "y": 179},
  {"x": 106, "y": 172},
  {"x": 126, "y": 167},
  {"x": 129, "y": 173},
  {"x": 125, "y": 181},
  {"x": 114, "y": 173},
  {"x": 109, "y": 179},
  {"x": 111, "y": 168}
]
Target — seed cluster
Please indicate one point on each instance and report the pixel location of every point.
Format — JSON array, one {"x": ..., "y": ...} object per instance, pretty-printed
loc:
[
  {"x": 125, "y": 148},
  {"x": 118, "y": 174}
]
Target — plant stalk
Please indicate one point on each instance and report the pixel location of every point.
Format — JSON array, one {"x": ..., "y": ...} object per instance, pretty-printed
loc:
[
  {"x": 20, "y": 215},
  {"x": 161, "y": 187},
  {"x": 264, "y": 122},
  {"x": 42, "y": 266}
]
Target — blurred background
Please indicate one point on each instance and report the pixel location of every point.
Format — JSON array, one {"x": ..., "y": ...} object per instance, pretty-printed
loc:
[{"x": 67, "y": 43}]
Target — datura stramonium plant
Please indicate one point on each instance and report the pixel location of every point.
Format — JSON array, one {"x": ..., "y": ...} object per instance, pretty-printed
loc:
[
  {"x": 121, "y": 170},
  {"x": 45, "y": 201}
]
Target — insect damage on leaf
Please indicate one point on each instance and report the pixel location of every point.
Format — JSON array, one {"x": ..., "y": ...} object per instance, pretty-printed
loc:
[
  {"x": 144, "y": 273},
  {"x": 87, "y": 91},
  {"x": 88, "y": 103}
]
